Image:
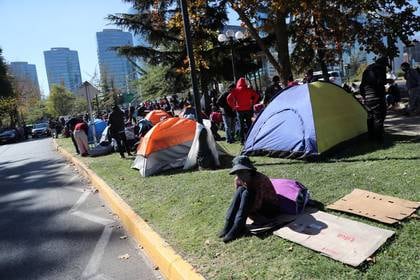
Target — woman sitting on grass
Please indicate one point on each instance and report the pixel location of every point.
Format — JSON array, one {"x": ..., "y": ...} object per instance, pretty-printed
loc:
[{"x": 255, "y": 196}]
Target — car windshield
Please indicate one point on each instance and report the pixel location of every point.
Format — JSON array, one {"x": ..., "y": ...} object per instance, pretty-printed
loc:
[{"x": 41, "y": 125}]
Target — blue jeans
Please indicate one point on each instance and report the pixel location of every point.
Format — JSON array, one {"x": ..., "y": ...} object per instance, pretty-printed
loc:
[
  {"x": 229, "y": 123},
  {"x": 239, "y": 207}
]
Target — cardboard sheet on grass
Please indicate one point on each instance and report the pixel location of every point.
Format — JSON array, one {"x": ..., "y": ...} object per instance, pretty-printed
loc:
[
  {"x": 339, "y": 238},
  {"x": 386, "y": 209}
]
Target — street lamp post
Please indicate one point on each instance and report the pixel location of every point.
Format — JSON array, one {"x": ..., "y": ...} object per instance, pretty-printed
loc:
[
  {"x": 190, "y": 53},
  {"x": 230, "y": 36}
]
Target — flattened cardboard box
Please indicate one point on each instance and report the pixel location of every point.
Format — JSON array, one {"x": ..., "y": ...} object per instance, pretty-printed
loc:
[
  {"x": 339, "y": 238},
  {"x": 386, "y": 209}
]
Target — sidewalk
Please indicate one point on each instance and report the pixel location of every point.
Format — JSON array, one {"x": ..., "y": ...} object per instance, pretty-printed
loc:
[{"x": 396, "y": 123}]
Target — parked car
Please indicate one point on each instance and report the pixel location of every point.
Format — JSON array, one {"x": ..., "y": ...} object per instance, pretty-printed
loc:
[
  {"x": 10, "y": 135},
  {"x": 335, "y": 77},
  {"x": 41, "y": 129}
]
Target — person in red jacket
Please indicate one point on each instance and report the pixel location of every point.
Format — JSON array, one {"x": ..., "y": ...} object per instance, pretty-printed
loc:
[
  {"x": 80, "y": 135},
  {"x": 242, "y": 99}
]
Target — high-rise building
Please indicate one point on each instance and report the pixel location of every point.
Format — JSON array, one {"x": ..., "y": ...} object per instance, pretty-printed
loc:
[
  {"x": 63, "y": 67},
  {"x": 25, "y": 74},
  {"x": 116, "y": 70},
  {"x": 413, "y": 54}
]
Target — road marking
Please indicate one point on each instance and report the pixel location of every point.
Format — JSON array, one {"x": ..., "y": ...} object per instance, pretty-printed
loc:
[
  {"x": 97, "y": 254},
  {"x": 20, "y": 195},
  {"x": 82, "y": 199},
  {"x": 93, "y": 218},
  {"x": 75, "y": 189},
  {"x": 3, "y": 150}
]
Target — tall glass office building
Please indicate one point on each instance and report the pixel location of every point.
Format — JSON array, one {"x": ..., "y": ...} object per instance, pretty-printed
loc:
[
  {"x": 24, "y": 72},
  {"x": 63, "y": 67},
  {"x": 115, "y": 69}
]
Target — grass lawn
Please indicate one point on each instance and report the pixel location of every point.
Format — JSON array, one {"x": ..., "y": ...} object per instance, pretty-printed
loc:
[{"x": 188, "y": 208}]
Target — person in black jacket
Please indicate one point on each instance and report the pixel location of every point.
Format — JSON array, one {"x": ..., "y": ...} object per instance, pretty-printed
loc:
[
  {"x": 272, "y": 90},
  {"x": 372, "y": 90},
  {"x": 228, "y": 115},
  {"x": 116, "y": 128}
]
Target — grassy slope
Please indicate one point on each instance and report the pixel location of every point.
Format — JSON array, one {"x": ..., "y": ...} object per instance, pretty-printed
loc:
[{"x": 187, "y": 209}]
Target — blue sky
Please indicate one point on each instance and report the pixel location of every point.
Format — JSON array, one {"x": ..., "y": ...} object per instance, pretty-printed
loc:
[{"x": 28, "y": 27}]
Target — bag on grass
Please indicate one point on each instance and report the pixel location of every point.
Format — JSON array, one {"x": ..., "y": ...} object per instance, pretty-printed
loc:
[{"x": 293, "y": 195}]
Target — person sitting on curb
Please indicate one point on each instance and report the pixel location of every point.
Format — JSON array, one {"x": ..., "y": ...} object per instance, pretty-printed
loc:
[{"x": 255, "y": 196}]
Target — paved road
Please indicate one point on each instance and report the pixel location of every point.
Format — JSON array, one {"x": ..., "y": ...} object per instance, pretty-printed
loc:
[{"x": 52, "y": 226}]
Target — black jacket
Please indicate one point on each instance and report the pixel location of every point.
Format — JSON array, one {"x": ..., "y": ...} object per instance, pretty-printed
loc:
[
  {"x": 116, "y": 121},
  {"x": 71, "y": 123},
  {"x": 373, "y": 80},
  {"x": 270, "y": 92},
  {"x": 224, "y": 106}
]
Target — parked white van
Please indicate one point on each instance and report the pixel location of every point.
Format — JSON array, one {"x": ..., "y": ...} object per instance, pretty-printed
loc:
[{"x": 335, "y": 77}]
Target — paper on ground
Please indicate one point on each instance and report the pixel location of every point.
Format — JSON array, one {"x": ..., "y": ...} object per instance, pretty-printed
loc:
[
  {"x": 386, "y": 209},
  {"x": 339, "y": 238}
]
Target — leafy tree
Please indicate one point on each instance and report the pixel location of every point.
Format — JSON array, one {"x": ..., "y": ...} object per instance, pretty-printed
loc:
[
  {"x": 6, "y": 89},
  {"x": 37, "y": 112},
  {"x": 27, "y": 96},
  {"x": 79, "y": 105},
  {"x": 160, "y": 24},
  {"x": 155, "y": 84},
  {"x": 8, "y": 100},
  {"x": 8, "y": 111},
  {"x": 273, "y": 25},
  {"x": 393, "y": 20},
  {"x": 321, "y": 29},
  {"x": 60, "y": 101}
]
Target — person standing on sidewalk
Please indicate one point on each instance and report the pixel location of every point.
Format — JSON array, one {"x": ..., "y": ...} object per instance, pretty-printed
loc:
[
  {"x": 412, "y": 77},
  {"x": 228, "y": 115},
  {"x": 372, "y": 90},
  {"x": 242, "y": 99},
  {"x": 117, "y": 130}
]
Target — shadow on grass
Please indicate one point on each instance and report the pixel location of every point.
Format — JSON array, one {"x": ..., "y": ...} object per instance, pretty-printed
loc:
[
  {"x": 225, "y": 162},
  {"x": 360, "y": 146},
  {"x": 363, "y": 146}
]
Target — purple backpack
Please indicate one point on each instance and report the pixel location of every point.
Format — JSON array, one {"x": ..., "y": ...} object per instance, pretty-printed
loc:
[{"x": 292, "y": 195}]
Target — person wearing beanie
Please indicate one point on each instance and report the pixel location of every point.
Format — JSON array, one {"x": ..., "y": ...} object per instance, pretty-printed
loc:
[{"x": 254, "y": 196}]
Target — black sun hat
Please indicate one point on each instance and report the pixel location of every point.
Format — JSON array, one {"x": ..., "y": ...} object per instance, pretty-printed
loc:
[{"x": 241, "y": 163}]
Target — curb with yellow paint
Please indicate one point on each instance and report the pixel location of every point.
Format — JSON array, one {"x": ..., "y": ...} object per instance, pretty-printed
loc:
[{"x": 170, "y": 264}]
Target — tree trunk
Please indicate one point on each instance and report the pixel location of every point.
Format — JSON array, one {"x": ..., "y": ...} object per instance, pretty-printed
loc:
[
  {"x": 254, "y": 33},
  {"x": 204, "y": 82},
  {"x": 282, "y": 47}
]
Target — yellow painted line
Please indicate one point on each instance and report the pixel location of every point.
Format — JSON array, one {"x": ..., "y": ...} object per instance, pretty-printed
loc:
[{"x": 170, "y": 264}]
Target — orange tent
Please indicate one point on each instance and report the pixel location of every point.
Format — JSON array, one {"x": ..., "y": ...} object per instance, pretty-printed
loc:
[
  {"x": 172, "y": 143},
  {"x": 157, "y": 116}
]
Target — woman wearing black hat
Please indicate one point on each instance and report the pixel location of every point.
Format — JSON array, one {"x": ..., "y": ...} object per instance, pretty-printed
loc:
[{"x": 254, "y": 196}]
